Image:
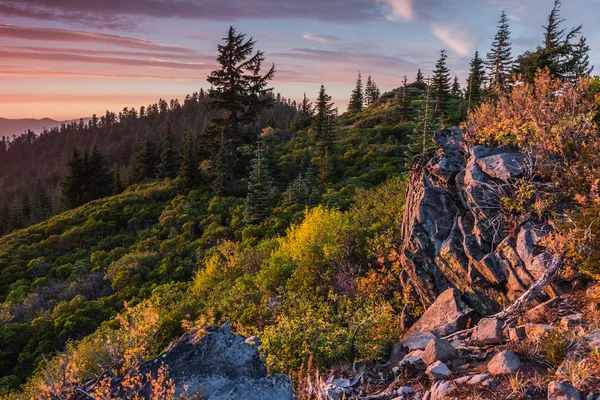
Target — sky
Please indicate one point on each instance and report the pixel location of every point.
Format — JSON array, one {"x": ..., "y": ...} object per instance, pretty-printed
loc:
[{"x": 67, "y": 59}]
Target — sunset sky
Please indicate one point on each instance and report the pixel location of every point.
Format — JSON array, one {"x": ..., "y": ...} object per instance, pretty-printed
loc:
[{"x": 67, "y": 59}]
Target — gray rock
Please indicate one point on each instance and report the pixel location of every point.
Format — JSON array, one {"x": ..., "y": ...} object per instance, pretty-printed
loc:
[
  {"x": 570, "y": 322},
  {"x": 412, "y": 358},
  {"x": 439, "y": 390},
  {"x": 504, "y": 166},
  {"x": 418, "y": 340},
  {"x": 446, "y": 315},
  {"x": 438, "y": 350},
  {"x": 593, "y": 340},
  {"x": 472, "y": 379},
  {"x": 274, "y": 387},
  {"x": 488, "y": 331},
  {"x": 438, "y": 370},
  {"x": 562, "y": 391},
  {"x": 397, "y": 354},
  {"x": 505, "y": 362},
  {"x": 218, "y": 360}
]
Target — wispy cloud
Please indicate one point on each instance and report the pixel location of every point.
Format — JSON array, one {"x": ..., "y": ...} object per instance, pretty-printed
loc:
[
  {"x": 66, "y": 35},
  {"x": 106, "y": 11},
  {"x": 78, "y": 58},
  {"x": 401, "y": 9},
  {"x": 459, "y": 38},
  {"x": 319, "y": 38}
]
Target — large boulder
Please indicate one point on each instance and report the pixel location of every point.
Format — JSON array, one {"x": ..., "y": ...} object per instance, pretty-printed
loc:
[
  {"x": 505, "y": 362},
  {"x": 446, "y": 315},
  {"x": 488, "y": 331},
  {"x": 438, "y": 350},
  {"x": 437, "y": 371},
  {"x": 220, "y": 364}
]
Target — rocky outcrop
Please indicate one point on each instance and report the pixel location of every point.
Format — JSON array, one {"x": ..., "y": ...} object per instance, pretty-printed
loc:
[
  {"x": 454, "y": 235},
  {"x": 220, "y": 365}
]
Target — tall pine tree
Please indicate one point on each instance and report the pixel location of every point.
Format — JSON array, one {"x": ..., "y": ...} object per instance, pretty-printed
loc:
[
  {"x": 456, "y": 87},
  {"x": 357, "y": 98},
  {"x": 189, "y": 170},
  {"x": 145, "y": 160},
  {"x": 499, "y": 59},
  {"x": 475, "y": 82},
  {"x": 239, "y": 90},
  {"x": 261, "y": 191},
  {"x": 325, "y": 131},
  {"x": 169, "y": 158},
  {"x": 440, "y": 84}
]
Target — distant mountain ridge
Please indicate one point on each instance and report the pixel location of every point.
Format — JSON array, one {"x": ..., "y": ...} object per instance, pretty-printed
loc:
[{"x": 9, "y": 127}]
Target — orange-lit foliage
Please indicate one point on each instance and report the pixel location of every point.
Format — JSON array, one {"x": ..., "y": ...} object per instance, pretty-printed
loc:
[
  {"x": 102, "y": 357},
  {"x": 553, "y": 120}
]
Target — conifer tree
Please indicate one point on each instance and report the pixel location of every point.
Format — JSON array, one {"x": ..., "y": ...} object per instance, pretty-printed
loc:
[
  {"x": 325, "y": 131},
  {"x": 404, "y": 100},
  {"x": 260, "y": 188},
  {"x": 117, "y": 183},
  {"x": 562, "y": 54},
  {"x": 145, "y": 160},
  {"x": 440, "y": 84},
  {"x": 239, "y": 90},
  {"x": 371, "y": 92},
  {"x": 456, "y": 87},
  {"x": 72, "y": 195},
  {"x": 424, "y": 127},
  {"x": 44, "y": 204},
  {"x": 87, "y": 179},
  {"x": 357, "y": 98},
  {"x": 99, "y": 182},
  {"x": 420, "y": 80},
  {"x": 499, "y": 59},
  {"x": 475, "y": 81},
  {"x": 189, "y": 170},
  {"x": 4, "y": 217},
  {"x": 169, "y": 159}
]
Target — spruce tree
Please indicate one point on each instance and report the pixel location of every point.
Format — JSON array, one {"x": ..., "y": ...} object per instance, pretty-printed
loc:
[
  {"x": 440, "y": 84},
  {"x": 475, "y": 81},
  {"x": 404, "y": 100},
  {"x": 259, "y": 200},
  {"x": 456, "y": 87},
  {"x": 72, "y": 194},
  {"x": 325, "y": 131},
  {"x": 145, "y": 160},
  {"x": 420, "y": 80},
  {"x": 99, "y": 182},
  {"x": 189, "y": 170},
  {"x": 424, "y": 126},
  {"x": 239, "y": 90},
  {"x": 369, "y": 89},
  {"x": 357, "y": 98},
  {"x": 499, "y": 59},
  {"x": 117, "y": 186},
  {"x": 169, "y": 158}
]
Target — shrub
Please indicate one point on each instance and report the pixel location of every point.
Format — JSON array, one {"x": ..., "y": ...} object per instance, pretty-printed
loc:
[{"x": 554, "y": 346}]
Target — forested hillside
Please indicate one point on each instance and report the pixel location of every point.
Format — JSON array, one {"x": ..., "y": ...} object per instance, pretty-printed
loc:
[{"x": 238, "y": 205}]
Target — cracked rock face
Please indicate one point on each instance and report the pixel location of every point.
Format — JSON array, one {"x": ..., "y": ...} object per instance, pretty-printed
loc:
[{"x": 454, "y": 235}]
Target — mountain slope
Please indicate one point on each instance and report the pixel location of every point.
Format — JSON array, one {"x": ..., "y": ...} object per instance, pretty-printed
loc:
[{"x": 10, "y": 127}]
